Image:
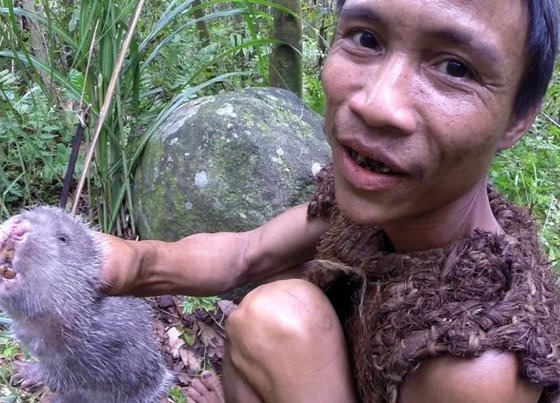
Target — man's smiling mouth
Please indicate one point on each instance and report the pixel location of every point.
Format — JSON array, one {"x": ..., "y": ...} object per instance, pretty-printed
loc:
[{"x": 370, "y": 164}]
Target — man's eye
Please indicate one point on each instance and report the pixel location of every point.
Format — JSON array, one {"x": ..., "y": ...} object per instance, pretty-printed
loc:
[
  {"x": 456, "y": 68},
  {"x": 365, "y": 39}
]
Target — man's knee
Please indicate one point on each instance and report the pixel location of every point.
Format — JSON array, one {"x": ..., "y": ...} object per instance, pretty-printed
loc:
[
  {"x": 282, "y": 311},
  {"x": 281, "y": 326}
]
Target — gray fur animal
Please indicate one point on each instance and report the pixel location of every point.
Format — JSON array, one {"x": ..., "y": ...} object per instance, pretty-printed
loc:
[{"x": 91, "y": 348}]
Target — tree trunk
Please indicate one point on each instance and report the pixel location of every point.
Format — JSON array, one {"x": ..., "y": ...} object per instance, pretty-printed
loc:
[
  {"x": 285, "y": 70},
  {"x": 201, "y": 26},
  {"x": 39, "y": 43}
]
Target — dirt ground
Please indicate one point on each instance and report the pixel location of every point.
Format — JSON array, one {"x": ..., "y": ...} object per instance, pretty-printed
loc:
[{"x": 191, "y": 343}]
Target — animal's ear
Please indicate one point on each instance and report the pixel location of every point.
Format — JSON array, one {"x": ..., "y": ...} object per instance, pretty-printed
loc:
[{"x": 518, "y": 127}]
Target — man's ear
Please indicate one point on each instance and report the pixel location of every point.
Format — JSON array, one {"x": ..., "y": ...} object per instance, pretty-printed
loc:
[{"x": 518, "y": 126}]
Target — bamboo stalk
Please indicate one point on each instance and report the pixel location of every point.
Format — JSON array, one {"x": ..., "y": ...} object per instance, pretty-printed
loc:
[{"x": 107, "y": 103}]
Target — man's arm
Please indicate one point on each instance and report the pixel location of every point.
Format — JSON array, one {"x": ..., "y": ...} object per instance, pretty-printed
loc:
[
  {"x": 491, "y": 378},
  {"x": 207, "y": 264}
]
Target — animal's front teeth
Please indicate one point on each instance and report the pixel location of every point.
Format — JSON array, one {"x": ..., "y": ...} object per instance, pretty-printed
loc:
[
  {"x": 8, "y": 254},
  {"x": 7, "y": 272}
]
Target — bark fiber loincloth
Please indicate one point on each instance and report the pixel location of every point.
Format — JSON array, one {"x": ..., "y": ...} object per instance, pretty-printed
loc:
[{"x": 483, "y": 292}]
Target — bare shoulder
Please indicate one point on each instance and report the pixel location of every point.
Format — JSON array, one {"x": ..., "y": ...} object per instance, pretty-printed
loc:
[{"x": 491, "y": 378}]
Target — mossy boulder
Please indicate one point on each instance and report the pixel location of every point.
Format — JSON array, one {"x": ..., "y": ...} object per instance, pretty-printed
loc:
[{"x": 228, "y": 163}]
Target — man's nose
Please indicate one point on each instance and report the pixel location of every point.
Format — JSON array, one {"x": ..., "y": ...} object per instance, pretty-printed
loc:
[{"x": 384, "y": 97}]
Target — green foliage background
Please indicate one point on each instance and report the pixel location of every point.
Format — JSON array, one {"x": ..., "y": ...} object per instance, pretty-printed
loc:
[
  {"x": 529, "y": 173},
  {"x": 172, "y": 60}
]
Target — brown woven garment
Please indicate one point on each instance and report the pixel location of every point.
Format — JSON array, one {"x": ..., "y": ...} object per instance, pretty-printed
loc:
[{"x": 484, "y": 292}]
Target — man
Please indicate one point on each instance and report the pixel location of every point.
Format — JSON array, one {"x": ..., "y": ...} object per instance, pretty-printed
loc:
[{"x": 420, "y": 97}]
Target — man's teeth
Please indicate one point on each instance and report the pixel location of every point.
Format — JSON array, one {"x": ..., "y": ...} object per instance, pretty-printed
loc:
[{"x": 369, "y": 164}]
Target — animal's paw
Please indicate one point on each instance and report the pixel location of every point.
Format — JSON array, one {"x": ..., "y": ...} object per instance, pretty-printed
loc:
[{"x": 30, "y": 374}]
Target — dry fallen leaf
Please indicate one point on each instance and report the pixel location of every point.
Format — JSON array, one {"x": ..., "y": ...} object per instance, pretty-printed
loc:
[
  {"x": 209, "y": 336},
  {"x": 184, "y": 379},
  {"x": 226, "y": 306},
  {"x": 175, "y": 341},
  {"x": 191, "y": 359}
]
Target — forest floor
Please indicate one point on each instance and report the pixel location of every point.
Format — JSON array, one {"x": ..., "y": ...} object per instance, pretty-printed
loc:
[{"x": 194, "y": 342}]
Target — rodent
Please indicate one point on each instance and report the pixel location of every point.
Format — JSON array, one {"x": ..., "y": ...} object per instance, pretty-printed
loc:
[{"x": 90, "y": 347}]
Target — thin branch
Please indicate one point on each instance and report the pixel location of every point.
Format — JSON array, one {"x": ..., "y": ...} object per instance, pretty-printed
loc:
[
  {"x": 90, "y": 54},
  {"x": 107, "y": 102},
  {"x": 551, "y": 120}
]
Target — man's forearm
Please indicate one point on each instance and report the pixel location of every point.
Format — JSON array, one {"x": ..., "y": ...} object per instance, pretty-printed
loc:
[
  {"x": 198, "y": 265},
  {"x": 209, "y": 264}
]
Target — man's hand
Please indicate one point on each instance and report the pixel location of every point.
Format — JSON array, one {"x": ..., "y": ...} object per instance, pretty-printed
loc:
[{"x": 121, "y": 265}]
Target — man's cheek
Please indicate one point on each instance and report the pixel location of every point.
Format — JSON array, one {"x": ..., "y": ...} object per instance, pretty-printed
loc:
[
  {"x": 329, "y": 133},
  {"x": 329, "y": 123}
]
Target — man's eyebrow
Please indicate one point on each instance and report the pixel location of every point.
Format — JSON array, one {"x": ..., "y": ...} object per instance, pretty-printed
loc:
[
  {"x": 465, "y": 40},
  {"x": 360, "y": 13},
  {"x": 447, "y": 35}
]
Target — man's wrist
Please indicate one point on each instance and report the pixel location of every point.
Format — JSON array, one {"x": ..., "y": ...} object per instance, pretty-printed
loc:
[{"x": 143, "y": 260}]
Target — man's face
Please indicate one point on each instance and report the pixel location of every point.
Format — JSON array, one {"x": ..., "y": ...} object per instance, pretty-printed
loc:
[{"x": 420, "y": 97}]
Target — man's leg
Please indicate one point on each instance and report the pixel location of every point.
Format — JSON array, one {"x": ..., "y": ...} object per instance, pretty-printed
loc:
[{"x": 284, "y": 344}]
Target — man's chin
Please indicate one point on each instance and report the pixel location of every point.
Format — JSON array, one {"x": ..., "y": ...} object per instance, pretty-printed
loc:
[{"x": 363, "y": 210}]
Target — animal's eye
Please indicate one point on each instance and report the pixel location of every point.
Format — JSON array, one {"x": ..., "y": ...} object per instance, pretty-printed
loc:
[
  {"x": 62, "y": 238},
  {"x": 365, "y": 39}
]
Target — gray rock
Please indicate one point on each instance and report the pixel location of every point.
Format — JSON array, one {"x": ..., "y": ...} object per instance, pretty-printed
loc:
[{"x": 228, "y": 163}]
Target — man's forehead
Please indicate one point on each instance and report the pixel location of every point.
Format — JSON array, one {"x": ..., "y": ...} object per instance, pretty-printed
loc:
[{"x": 498, "y": 10}]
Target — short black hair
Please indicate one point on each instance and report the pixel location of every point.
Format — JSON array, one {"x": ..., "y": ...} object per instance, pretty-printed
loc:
[{"x": 541, "y": 46}]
